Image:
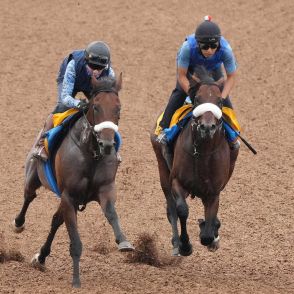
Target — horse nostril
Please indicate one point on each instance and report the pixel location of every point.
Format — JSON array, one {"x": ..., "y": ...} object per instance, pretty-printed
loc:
[
  {"x": 202, "y": 127},
  {"x": 213, "y": 127},
  {"x": 101, "y": 144}
]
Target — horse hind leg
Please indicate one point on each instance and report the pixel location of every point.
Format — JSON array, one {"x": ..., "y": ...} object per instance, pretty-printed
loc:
[
  {"x": 32, "y": 183},
  {"x": 39, "y": 258}
]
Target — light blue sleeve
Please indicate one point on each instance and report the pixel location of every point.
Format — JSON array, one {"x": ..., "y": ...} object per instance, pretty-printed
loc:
[
  {"x": 229, "y": 61},
  {"x": 183, "y": 56},
  {"x": 68, "y": 86}
]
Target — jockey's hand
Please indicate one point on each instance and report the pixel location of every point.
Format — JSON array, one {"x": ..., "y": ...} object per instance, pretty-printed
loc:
[{"x": 83, "y": 105}]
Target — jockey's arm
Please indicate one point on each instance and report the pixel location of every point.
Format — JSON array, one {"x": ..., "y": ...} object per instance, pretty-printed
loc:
[
  {"x": 182, "y": 79},
  {"x": 229, "y": 84},
  {"x": 68, "y": 86}
]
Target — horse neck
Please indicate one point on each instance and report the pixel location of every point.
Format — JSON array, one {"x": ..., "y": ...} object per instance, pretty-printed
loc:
[{"x": 81, "y": 134}]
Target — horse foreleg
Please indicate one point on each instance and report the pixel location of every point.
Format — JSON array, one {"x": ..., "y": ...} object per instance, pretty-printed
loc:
[
  {"x": 209, "y": 228},
  {"x": 182, "y": 209},
  {"x": 69, "y": 212},
  {"x": 107, "y": 198},
  {"x": 32, "y": 183},
  {"x": 57, "y": 221}
]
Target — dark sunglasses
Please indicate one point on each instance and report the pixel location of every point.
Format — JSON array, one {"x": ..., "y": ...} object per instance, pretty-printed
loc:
[
  {"x": 206, "y": 46},
  {"x": 103, "y": 60},
  {"x": 95, "y": 66}
]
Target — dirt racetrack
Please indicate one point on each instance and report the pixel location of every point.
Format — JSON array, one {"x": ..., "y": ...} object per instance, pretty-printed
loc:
[{"x": 257, "y": 206}]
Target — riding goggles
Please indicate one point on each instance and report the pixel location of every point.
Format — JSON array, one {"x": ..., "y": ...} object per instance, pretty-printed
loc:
[
  {"x": 206, "y": 46},
  {"x": 96, "y": 66}
]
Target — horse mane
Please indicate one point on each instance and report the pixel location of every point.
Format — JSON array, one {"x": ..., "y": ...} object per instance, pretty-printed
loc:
[
  {"x": 201, "y": 72},
  {"x": 104, "y": 84},
  {"x": 200, "y": 76}
]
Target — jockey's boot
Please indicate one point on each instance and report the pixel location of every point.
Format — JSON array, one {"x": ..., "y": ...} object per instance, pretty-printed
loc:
[
  {"x": 235, "y": 145},
  {"x": 119, "y": 159},
  {"x": 165, "y": 149},
  {"x": 40, "y": 150}
]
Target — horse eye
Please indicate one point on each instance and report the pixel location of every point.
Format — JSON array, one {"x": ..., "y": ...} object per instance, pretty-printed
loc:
[{"x": 196, "y": 101}]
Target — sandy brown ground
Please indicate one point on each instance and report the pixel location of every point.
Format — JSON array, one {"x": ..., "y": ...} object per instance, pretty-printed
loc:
[{"x": 257, "y": 206}]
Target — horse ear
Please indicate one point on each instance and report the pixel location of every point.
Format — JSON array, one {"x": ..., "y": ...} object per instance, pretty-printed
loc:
[
  {"x": 118, "y": 84},
  {"x": 194, "y": 82},
  {"x": 220, "y": 82},
  {"x": 195, "y": 78}
]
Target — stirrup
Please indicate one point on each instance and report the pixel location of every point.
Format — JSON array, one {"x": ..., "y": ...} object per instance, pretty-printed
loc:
[
  {"x": 40, "y": 153},
  {"x": 235, "y": 145},
  {"x": 162, "y": 138}
]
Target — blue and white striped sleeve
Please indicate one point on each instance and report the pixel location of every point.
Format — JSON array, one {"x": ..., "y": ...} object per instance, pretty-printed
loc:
[
  {"x": 68, "y": 86},
  {"x": 111, "y": 73}
]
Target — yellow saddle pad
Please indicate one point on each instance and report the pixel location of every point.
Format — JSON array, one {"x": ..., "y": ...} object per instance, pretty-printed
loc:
[{"x": 58, "y": 118}]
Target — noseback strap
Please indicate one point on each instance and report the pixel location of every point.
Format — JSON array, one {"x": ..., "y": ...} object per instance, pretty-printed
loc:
[
  {"x": 202, "y": 108},
  {"x": 105, "y": 125}
]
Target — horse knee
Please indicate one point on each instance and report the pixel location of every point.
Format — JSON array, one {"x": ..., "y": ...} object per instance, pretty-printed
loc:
[{"x": 182, "y": 210}]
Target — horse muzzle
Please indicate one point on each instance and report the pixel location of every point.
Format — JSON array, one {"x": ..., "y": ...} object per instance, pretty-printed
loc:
[
  {"x": 207, "y": 116},
  {"x": 105, "y": 146},
  {"x": 206, "y": 130}
]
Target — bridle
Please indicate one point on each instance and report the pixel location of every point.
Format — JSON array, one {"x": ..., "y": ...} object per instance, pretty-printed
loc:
[
  {"x": 98, "y": 152},
  {"x": 198, "y": 110}
]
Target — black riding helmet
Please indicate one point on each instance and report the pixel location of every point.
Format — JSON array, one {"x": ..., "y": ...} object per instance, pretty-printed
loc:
[
  {"x": 208, "y": 31},
  {"x": 97, "y": 53}
]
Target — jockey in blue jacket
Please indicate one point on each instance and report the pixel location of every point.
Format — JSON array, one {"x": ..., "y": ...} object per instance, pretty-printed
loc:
[
  {"x": 74, "y": 76},
  {"x": 207, "y": 48}
]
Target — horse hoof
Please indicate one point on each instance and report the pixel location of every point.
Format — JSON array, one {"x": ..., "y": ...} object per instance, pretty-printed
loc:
[
  {"x": 125, "y": 246},
  {"x": 176, "y": 252},
  {"x": 76, "y": 284},
  {"x": 17, "y": 229},
  {"x": 187, "y": 250},
  {"x": 214, "y": 245},
  {"x": 36, "y": 263}
]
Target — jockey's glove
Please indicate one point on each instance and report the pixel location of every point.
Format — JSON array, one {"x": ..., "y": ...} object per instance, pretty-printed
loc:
[{"x": 83, "y": 105}]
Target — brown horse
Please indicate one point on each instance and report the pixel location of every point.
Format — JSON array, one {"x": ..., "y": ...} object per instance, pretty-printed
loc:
[
  {"x": 202, "y": 165},
  {"x": 85, "y": 167}
]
